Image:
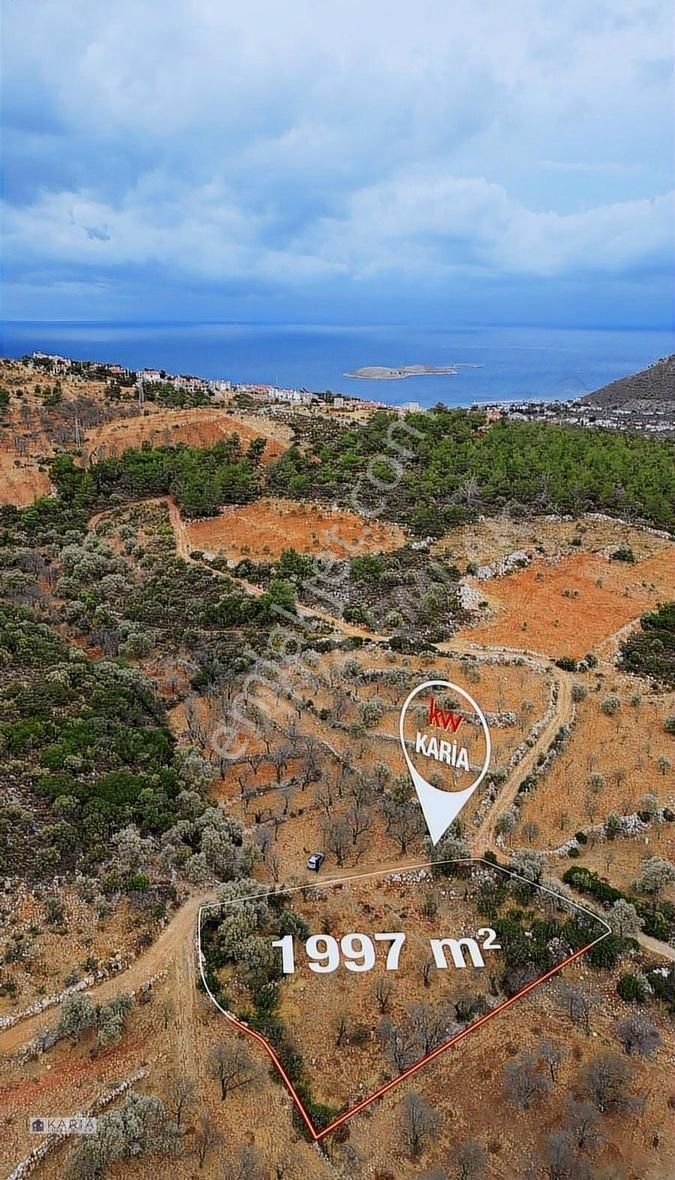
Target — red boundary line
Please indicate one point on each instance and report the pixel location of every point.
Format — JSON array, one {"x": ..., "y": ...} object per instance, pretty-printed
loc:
[
  {"x": 289, "y": 1085},
  {"x": 317, "y": 1136},
  {"x": 412, "y": 1069},
  {"x": 406, "y": 1073}
]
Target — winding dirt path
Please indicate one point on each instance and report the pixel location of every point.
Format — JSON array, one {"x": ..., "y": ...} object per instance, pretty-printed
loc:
[
  {"x": 563, "y": 714},
  {"x": 174, "y": 949},
  {"x": 167, "y": 953},
  {"x": 184, "y": 550}
]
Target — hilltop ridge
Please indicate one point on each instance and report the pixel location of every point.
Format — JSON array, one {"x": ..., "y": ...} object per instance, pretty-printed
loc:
[{"x": 656, "y": 383}]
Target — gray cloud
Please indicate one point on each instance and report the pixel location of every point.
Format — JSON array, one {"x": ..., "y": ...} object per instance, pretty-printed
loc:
[{"x": 314, "y": 146}]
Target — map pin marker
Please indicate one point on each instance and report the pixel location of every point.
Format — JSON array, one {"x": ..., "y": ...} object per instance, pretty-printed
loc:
[{"x": 440, "y": 807}]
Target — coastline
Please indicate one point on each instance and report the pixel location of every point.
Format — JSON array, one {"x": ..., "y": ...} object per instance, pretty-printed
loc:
[{"x": 517, "y": 363}]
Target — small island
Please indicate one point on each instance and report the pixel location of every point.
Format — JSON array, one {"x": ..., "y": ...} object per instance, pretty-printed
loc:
[{"x": 383, "y": 373}]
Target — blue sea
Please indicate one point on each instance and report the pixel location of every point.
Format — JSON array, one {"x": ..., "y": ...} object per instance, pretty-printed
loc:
[{"x": 515, "y": 362}]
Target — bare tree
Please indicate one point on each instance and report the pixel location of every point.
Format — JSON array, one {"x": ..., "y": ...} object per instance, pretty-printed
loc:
[
  {"x": 192, "y": 717},
  {"x": 207, "y": 1138},
  {"x": 337, "y": 837},
  {"x": 524, "y": 1083},
  {"x": 417, "y": 1122},
  {"x": 263, "y": 838},
  {"x": 562, "y": 1161},
  {"x": 180, "y": 1092},
  {"x": 562, "y": 818},
  {"x": 606, "y": 1080},
  {"x": 341, "y": 1029},
  {"x": 470, "y": 1161},
  {"x": 582, "y": 1121},
  {"x": 425, "y": 971},
  {"x": 576, "y": 1003},
  {"x": 400, "y": 1043},
  {"x": 430, "y": 1025},
  {"x": 287, "y": 791},
  {"x": 382, "y": 990},
  {"x": 273, "y": 862},
  {"x": 405, "y": 823},
  {"x": 279, "y": 759},
  {"x": 530, "y": 831},
  {"x": 552, "y": 1056},
  {"x": 324, "y": 798},
  {"x": 245, "y": 1164},
  {"x": 230, "y": 1065},
  {"x": 254, "y": 760},
  {"x": 638, "y": 1035},
  {"x": 359, "y": 819},
  {"x": 590, "y": 810}
]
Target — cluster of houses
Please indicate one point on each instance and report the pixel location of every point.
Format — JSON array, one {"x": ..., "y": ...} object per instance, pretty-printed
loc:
[
  {"x": 646, "y": 417},
  {"x": 60, "y": 366},
  {"x": 182, "y": 381},
  {"x": 112, "y": 372},
  {"x": 271, "y": 396}
]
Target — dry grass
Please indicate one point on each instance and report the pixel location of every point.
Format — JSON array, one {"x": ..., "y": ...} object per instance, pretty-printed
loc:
[
  {"x": 197, "y": 428},
  {"x": 567, "y": 606},
  {"x": 263, "y": 529},
  {"x": 489, "y": 540},
  {"x": 62, "y": 948},
  {"x": 624, "y": 750}
]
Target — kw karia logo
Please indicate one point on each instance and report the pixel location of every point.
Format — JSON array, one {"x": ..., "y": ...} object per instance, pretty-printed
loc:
[
  {"x": 442, "y": 751},
  {"x": 468, "y": 759}
]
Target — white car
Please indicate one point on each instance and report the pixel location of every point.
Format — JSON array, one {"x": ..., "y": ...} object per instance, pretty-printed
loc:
[{"x": 315, "y": 861}]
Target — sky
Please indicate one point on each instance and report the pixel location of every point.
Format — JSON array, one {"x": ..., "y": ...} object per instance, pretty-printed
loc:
[{"x": 436, "y": 162}]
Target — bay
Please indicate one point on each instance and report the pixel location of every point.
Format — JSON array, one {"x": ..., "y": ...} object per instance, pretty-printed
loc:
[{"x": 514, "y": 362}]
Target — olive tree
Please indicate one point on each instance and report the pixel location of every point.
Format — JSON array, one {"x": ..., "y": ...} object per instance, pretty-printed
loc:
[
  {"x": 656, "y": 873},
  {"x": 78, "y": 1013},
  {"x": 624, "y": 919}
]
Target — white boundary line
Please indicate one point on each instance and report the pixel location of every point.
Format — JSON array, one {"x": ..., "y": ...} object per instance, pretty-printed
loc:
[{"x": 381, "y": 873}]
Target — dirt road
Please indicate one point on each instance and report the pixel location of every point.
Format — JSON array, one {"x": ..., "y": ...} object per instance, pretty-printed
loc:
[
  {"x": 174, "y": 948},
  {"x": 663, "y": 949},
  {"x": 168, "y": 950},
  {"x": 563, "y": 714},
  {"x": 184, "y": 549}
]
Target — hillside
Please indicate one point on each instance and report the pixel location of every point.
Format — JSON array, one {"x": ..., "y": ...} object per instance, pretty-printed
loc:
[
  {"x": 208, "y": 629},
  {"x": 654, "y": 384}
]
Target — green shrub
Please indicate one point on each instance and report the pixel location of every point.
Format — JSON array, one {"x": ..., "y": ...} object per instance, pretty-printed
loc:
[
  {"x": 632, "y": 988},
  {"x": 611, "y": 705}
]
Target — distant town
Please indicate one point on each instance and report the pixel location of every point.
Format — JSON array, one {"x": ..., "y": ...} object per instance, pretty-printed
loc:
[{"x": 648, "y": 415}]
